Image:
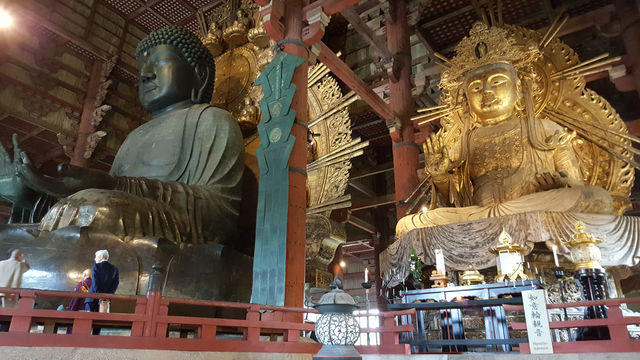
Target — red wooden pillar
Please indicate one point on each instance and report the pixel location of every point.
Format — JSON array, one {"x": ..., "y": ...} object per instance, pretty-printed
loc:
[
  {"x": 405, "y": 150},
  {"x": 85, "y": 127},
  {"x": 294, "y": 276},
  {"x": 629, "y": 13}
]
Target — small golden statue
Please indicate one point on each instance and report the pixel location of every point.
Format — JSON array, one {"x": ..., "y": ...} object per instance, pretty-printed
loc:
[
  {"x": 236, "y": 34},
  {"x": 508, "y": 97},
  {"x": 471, "y": 276},
  {"x": 258, "y": 36},
  {"x": 213, "y": 40},
  {"x": 248, "y": 118}
]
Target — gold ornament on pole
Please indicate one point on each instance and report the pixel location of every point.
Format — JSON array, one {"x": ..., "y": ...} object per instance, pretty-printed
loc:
[
  {"x": 584, "y": 249},
  {"x": 509, "y": 260}
]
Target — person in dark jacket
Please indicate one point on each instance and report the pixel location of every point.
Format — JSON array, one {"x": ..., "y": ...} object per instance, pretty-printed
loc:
[{"x": 104, "y": 279}]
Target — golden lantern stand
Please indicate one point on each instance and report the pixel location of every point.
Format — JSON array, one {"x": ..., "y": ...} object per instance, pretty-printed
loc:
[
  {"x": 592, "y": 279},
  {"x": 508, "y": 259}
]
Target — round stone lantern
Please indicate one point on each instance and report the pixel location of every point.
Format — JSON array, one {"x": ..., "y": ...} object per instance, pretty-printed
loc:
[{"x": 337, "y": 329}]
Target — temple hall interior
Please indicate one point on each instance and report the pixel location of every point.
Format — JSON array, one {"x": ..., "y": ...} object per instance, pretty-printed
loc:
[{"x": 319, "y": 179}]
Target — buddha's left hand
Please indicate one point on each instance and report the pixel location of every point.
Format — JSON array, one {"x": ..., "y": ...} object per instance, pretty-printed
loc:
[{"x": 548, "y": 181}]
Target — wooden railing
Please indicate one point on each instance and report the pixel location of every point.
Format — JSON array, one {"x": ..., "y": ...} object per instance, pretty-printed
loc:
[
  {"x": 148, "y": 323},
  {"x": 452, "y": 339},
  {"x": 620, "y": 338}
]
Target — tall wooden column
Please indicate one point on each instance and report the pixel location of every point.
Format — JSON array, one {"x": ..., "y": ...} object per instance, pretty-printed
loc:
[
  {"x": 405, "y": 150},
  {"x": 85, "y": 127},
  {"x": 296, "y": 231}
]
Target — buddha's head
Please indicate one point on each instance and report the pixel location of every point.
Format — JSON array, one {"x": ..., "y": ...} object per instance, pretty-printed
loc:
[
  {"x": 174, "y": 66},
  {"x": 492, "y": 92}
]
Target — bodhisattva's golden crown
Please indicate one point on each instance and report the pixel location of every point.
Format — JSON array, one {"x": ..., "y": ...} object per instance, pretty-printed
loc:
[{"x": 487, "y": 45}]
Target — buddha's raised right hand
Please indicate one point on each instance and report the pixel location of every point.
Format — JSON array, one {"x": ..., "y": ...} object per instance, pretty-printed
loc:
[{"x": 436, "y": 156}]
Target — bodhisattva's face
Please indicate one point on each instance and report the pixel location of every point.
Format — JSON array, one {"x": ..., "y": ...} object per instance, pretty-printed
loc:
[
  {"x": 492, "y": 93},
  {"x": 166, "y": 78}
]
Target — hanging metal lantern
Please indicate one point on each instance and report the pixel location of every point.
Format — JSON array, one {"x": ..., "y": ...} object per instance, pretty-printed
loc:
[{"x": 337, "y": 329}]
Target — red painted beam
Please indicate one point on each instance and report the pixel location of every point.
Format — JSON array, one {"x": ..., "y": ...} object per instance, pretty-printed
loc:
[
  {"x": 272, "y": 17},
  {"x": 374, "y": 202},
  {"x": 85, "y": 128},
  {"x": 331, "y": 7},
  {"x": 344, "y": 73}
]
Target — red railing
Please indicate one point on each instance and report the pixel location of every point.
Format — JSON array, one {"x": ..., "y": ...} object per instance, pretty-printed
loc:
[
  {"x": 620, "y": 341},
  {"x": 149, "y": 324}
]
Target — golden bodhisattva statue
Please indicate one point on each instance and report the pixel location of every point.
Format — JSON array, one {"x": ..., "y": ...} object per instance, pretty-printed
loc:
[{"x": 501, "y": 149}]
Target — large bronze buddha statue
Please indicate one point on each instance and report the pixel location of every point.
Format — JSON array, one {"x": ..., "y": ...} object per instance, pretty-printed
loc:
[{"x": 177, "y": 177}]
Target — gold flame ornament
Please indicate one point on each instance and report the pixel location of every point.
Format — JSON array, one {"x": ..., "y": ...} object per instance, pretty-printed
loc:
[{"x": 584, "y": 249}]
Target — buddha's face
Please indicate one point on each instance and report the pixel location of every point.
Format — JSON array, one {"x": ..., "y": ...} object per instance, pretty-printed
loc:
[
  {"x": 492, "y": 92},
  {"x": 165, "y": 77}
]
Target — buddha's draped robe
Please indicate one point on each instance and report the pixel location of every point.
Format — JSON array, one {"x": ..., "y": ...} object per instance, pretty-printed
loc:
[
  {"x": 179, "y": 177},
  {"x": 502, "y": 167}
]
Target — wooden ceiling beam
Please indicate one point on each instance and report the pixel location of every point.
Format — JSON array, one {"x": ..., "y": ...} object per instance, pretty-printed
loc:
[
  {"x": 388, "y": 199},
  {"x": 144, "y": 7},
  {"x": 31, "y": 134},
  {"x": 584, "y": 21},
  {"x": 360, "y": 224},
  {"x": 188, "y": 6},
  {"x": 92, "y": 15},
  {"x": 43, "y": 75},
  {"x": 344, "y": 73},
  {"x": 362, "y": 188},
  {"x": 54, "y": 28},
  {"x": 377, "y": 43}
]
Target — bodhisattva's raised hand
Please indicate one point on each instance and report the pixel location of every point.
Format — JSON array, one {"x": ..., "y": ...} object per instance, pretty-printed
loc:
[
  {"x": 436, "y": 157},
  {"x": 70, "y": 179}
]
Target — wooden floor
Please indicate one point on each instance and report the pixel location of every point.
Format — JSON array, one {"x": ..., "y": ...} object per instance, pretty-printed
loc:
[{"x": 17, "y": 352}]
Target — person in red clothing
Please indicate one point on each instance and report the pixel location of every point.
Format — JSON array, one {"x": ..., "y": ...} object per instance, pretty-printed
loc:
[{"x": 83, "y": 286}]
